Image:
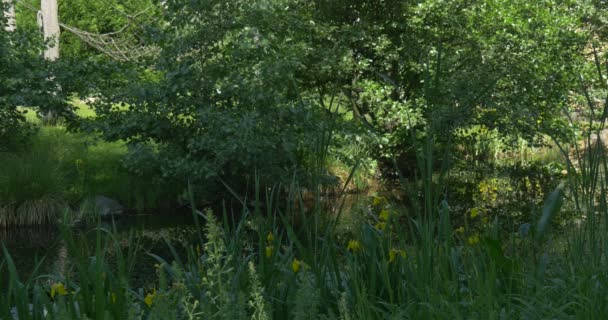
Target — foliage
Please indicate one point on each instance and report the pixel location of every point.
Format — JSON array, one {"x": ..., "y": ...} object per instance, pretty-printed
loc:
[
  {"x": 225, "y": 98},
  {"x": 254, "y": 93},
  {"x": 59, "y": 169},
  {"x": 456, "y": 64},
  {"x": 230, "y": 276},
  {"x": 24, "y": 80}
]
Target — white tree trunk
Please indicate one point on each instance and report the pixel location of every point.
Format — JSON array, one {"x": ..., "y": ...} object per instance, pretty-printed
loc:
[
  {"x": 10, "y": 15},
  {"x": 50, "y": 26}
]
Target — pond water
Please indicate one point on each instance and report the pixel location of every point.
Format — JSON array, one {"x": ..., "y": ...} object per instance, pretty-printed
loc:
[{"x": 28, "y": 246}]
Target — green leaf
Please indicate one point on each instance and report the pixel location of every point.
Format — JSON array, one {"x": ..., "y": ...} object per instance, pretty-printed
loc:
[{"x": 552, "y": 206}]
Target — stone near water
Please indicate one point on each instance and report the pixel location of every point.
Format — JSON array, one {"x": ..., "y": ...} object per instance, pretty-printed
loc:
[{"x": 103, "y": 206}]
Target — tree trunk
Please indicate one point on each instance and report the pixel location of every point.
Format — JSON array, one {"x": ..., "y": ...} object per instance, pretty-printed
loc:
[
  {"x": 50, "y": 26},
  {"x": 9, "y": 13}
]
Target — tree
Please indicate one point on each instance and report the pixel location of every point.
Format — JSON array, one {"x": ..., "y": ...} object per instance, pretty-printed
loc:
[
  {"x": 244, "y": 85},
  {"x": 9, "y": 13},
  {"x": 446, "y": 65},
  {"x": 223, "y": 100},
  {"x": 25, "y": 80},
  {"x": 50, "y": 27}
]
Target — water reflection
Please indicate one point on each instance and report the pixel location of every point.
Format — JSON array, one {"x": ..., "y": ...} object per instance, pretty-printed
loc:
[{"x": 30, "y": 246}]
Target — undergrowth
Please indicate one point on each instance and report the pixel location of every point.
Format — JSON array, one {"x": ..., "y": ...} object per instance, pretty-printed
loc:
[{"x": 59, "y": 170}]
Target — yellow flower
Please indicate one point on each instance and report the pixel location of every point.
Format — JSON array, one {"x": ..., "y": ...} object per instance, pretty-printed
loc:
[
  {"x": 268, "y": 251},
  {"x": 473, "y": 240},
  {"x": 384, "y": 215},
  {"x": 394, "y": 253},
  {"x": 113, "y": 297},
  {"x": 269, "y": 237},
  {"x": 58, "y": 289},
  {"x": 149, "y": 299},
  {"x": 475, "y": 212},
  {"x": 380, "y": 225},
  {"x": 459, "y": 230},
  {"x": 377, "y": 200},
  {"x": 353, "y": 245},
  {"x": 295, "y": 265}
]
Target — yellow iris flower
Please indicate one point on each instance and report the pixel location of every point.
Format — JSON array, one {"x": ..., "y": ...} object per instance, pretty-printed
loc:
[
  {"x": 353, "y": 245},
  {"x": 295, "y": 265},
  {"x": 394, "y": 253},
  {"x": 473, "y": 240},
  {"x": 58, "y": 289},
  {"x": 384, "y": 215},
  {"x": 149, "y": 299}
]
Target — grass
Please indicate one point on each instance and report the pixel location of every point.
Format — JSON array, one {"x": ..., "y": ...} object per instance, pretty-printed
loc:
[{"x": 60, "y": 169}]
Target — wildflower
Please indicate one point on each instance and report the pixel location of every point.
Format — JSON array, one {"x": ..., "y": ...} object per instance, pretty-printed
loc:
[
  {"x": 295, "y": 265},
  {"x": 475, "y": 212},
  {"x": 58, "y": 289},
  {"x": 353, "y": 245},
  {"x": 149, "y": 299},
  {"x": 113, "y": 295},
  {"x": 377, "y": 201},
  {"x": 268, "y": 251},
  {"x": 269, "y": 237},
  {"x": 564, "y": 172},
  {"x": 460, "y": 230},
  {"x": 473, "y": 240},
  {"x": 380, "y": 225},
  {"x": 394, "y": 253},
  {"x": 384, "y": 215}
]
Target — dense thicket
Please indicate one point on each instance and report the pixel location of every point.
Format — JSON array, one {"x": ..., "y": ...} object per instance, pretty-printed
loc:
[
  {"x": 244, "y": 86},
  {"x": 252, "y": 86}
]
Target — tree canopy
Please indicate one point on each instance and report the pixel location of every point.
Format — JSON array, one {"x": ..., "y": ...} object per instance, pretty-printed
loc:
[{"x": 250, "y": 84}]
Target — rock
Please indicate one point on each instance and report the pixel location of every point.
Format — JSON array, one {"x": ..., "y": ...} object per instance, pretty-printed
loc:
[{"x": 102, "y": 206}]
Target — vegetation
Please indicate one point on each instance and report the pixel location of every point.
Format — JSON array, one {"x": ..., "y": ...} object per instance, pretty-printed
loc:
[{"x": 469, "y": 134}]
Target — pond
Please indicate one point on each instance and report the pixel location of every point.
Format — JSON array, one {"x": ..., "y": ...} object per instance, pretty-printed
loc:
[
  {"x": 28, "y": 246},
  {"x": 149, "y": 232}
]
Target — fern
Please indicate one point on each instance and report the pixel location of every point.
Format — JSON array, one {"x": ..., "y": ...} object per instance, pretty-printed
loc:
[
  {"x": 256, "y": 300},
  {"x": 307, "y": 300}
]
